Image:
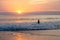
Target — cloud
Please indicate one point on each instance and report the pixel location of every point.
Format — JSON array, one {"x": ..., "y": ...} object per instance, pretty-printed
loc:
[
  {"x": 53, "y": 5},
  {"x": 34, "y": 2},
  {"x": 30, "y": 5}
]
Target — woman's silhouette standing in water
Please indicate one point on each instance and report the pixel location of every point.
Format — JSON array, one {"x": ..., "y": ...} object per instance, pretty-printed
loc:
[{"x": 38, "y": 21}]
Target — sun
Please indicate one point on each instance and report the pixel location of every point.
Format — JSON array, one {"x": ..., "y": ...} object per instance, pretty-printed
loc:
[{"x": 19, "y": 11}]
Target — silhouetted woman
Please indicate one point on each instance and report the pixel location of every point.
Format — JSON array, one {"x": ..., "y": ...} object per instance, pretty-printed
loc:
[{"x": 38, "y": 21}]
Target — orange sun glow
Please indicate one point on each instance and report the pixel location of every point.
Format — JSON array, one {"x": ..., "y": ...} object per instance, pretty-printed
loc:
[{"x": 19, "y": 11}]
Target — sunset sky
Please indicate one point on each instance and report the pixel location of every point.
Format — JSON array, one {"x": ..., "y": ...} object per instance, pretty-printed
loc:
[{"x": 29, "y": 5}]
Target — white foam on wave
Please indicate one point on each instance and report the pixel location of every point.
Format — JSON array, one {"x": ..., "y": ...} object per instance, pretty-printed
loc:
[{"x": 32, "y": 25}]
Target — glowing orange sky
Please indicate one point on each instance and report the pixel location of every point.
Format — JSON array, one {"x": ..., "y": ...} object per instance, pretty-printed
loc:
[{"x": 29, "y": 5}]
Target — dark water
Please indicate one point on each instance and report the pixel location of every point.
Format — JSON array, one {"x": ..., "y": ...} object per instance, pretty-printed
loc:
[{"x": 30, "y": 35}]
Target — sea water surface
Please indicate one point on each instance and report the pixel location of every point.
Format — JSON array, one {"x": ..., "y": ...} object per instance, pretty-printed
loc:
[
  {"x": 30, "y": 35},
  {"x": 30, "y": 22}
]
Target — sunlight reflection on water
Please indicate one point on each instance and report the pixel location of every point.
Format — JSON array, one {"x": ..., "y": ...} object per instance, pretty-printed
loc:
[{"x": 31, "y": 35}]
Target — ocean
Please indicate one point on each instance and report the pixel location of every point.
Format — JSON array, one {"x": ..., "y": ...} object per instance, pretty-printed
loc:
[
  {"x": 30, "y": 35},
  {"x": 27, "y": 28},
  {"x": 29, "y": 22}
]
